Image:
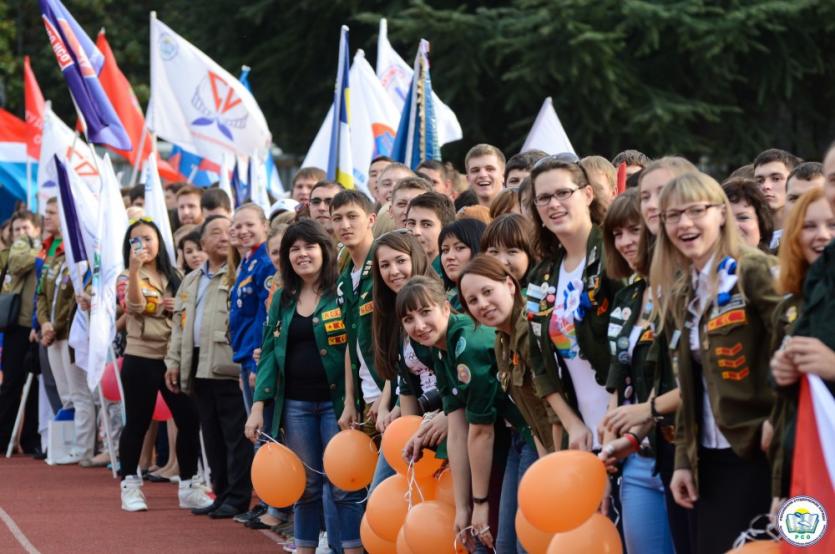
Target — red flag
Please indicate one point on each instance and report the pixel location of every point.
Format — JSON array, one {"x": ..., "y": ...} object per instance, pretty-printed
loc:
[
  {"x": 124, "y": 101},
  {"x": 34, "y": 110},
  {"x": 812, "y": 464},
  {"x": 621, "y": 177}
]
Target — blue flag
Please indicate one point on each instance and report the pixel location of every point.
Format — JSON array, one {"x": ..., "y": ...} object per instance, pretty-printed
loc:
[
  {"x": 81, "y": 62},
  {"x": 73, "y": 236},
  {"x": 417, "y": 134},
  {"x": 240, "y": 187}
]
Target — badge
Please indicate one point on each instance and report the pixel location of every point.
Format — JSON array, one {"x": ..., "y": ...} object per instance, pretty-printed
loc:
[
  {"x": 791, "y": 314},
  {"x": 454, "y": 391},
  {"x": 277, "y": 332},
  {"x": 367, "y": 308},
  {"x": 334, "y": 326},
  {"x": 674, "y": 340},
  {"x": 550, "y": 298},
  {"x": 460, "y": 346},
  {"x": 536, "y": 327},
  {"x": 623, "y": 343},
  {"x": 331, "y": 314},
  {"x": 464, "y": 374},
  {"x": 626, "y": 313},
  {"x": 623, "y": 357},
  {"x": 627, "y": 393},
  {"x": 732, "y": 351},
  {"x": 613, "y": 348},
  {"x": 338, "y": 339},
  {"x": 240, "y": 303},
  {"x": 617, "y": 314},
  {"x": 614, "y": 330},
  {"x": 268, "y": 282},
  {"x": 536, "y": 292},
  {"x": 252, "y": 265}
]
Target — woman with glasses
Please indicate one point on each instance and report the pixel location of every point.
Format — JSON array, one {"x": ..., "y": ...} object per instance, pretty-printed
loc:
[
  {"x": 714, "y": 298},
  {"x": 568, "y": 299}
]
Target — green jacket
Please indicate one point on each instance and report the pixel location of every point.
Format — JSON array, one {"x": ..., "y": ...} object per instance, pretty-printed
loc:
[
  {"x": 467, "y": 378},
  {"x": 599, "y": 290},
  {"x": 56, "y": 296},
  {"x": 331, "y": 338},
  {"x": 19, "y": 260},
  {"x": 734, "y": 363},
  {"x": 357, "y": 309}
]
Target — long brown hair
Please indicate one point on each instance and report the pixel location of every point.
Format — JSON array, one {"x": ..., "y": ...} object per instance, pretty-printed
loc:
[
  {"x": 625, "y": 211},
  {"x": 387, "y": 336},
  {"x": 419, "y": 292},
  {"x": 491, "y": 268},
  {"x": 793, "y": 264}
]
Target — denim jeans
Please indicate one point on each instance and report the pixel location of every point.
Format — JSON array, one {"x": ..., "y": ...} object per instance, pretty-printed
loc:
[
  {"x": 308, "y": 428},
  {"x": 520, "y": 457},
  {"x": 645, "y": 524},
  {"x": 382, "y": 472}
]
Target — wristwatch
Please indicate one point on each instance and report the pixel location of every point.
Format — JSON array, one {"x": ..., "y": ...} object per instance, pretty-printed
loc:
[{"x": 653, "y": 412}]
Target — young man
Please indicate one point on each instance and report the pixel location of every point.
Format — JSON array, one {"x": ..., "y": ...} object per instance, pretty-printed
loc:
[
  {"x": 321, "y": 197},
  {"x": 403, "y": 193},
  {"x": 436, "y": 172},
  {"x": 635, "y": 161},
  {"x": 303, "y": 182},
  {"x": 376, "y": 168},
  {"x": 188, "y": 205},
  {"x": 199, "y": 365},
  {"x": 771, "y": 169},
  {"x": 171, "y": 195},
  {"x": 426, "y": 216},
  {"x": 519, "y": 166},
  {"x": 215, "y": 202},
  {"x": 137, "y": 196},
  {"x": 603, "y": 177},
  {"x": 352, "y": 215},
  {"x": 389, "y": 177},
  {"x": 485, "y": 172},
  {"x": 803, "y": 178}
]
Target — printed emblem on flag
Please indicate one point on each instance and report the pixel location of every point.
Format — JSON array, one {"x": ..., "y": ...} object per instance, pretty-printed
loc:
[
  {"x": 728, "y": 318},
  {"x": 167, "y": 47},
  {"x": 219, "y": 105}
]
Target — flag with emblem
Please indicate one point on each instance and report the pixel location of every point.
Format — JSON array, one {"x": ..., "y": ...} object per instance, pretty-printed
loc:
[
  {"x": 197, "y": 104},
  {"x": 417, "y": 133},
  {"x": 340, "y": 166},
  {"x": 547, "y": 133},
  {"x": 81, "y": 62}
]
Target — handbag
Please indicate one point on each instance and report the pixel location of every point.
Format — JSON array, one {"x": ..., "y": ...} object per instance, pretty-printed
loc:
[{"x": 9, "y": 306}]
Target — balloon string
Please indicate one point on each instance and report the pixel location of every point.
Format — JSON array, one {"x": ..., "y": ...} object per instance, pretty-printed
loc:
[
  {"x": 469, "y": 528},
  {"x": 753, "y": 534},
  {"x": 613, "y": 506},
  {"x": 270, "y": 439}
]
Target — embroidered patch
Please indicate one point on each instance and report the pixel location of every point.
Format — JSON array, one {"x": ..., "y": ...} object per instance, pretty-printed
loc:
[
  {"x": 268, "y": 282},
  {"x": 603, "y": 307},
  {"x": 183, "y": 320},
  {"x": 183, "y": 296},
  {"x": 331, "y": 314},
  {"x": 647, "y": 336},
  {"x": 367, "y": 308},
  {"x": 728, "y": 318},
  {"x": 464, "y": 374},
  {"x": 338, "y": 339},
  {"x": 614, "y": 330},
  {"x": 732, "y": 351},
  {"x": 791, "y": 314},
  {"x": 735, "y": 375},
  {"x": 334, "y": 326},
  {"x": 460, "y": 346},
  {"x": 732, "y": 363},
  {"x": 245, "y": 282}
]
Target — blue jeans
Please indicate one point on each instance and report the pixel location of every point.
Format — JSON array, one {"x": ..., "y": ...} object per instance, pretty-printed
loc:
[
  {"x": 645, "y": 525},
  {"x": 382, "y": 472},
  {"x": 520, "y": 457},
  {"x": 309, "y": 426}
]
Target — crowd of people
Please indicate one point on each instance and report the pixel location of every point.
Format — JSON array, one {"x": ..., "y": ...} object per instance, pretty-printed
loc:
[{"x": 530, "y": 305}]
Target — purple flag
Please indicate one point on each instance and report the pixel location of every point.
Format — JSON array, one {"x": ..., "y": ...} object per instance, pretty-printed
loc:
[
  {"x": 81, "y": 62},
  {"x": 73, "y": 238}
]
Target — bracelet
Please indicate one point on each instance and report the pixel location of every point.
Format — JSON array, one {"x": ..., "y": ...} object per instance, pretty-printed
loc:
[
  {"x": 633, "y": 440},
  {"x": 477, "y": 500},
  {"x": 653, "y": 412}
]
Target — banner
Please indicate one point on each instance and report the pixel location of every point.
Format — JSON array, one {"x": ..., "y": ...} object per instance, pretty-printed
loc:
[{"x": 547, "y": 133}]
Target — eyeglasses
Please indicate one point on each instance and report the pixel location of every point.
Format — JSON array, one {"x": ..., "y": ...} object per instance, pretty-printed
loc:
[
  {"x": 562, "y": 157},
  {"x": 561, "y": 195},
  {"x": 694, "y": 213},
  {"x": 317, "y": 201},
  {"x": 143, "y": 219}
]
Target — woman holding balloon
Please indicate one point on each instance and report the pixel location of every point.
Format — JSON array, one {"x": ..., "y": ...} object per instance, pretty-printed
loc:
[
  {"x": 301, "y": 369},
  {"x": 477, "y": 409}
]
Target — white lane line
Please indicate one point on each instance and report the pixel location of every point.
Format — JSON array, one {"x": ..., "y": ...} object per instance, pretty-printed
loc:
[{"x": 18, "y": 534}]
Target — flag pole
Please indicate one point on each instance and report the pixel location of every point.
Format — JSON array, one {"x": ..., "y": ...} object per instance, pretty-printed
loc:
[
  {"x": 29, "y": 202},
  {"x": 134, "y": 174}
]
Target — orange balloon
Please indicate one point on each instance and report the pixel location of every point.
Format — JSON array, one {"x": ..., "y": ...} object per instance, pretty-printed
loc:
[
  {"x": 278, "y": 475},
  {"x": 387, "y": 507},
  {"x": 444, "y": 490},
  {"x": 350, "y": 459},
  {"x": 430, "y": 528},
  {"x": 561, "y": 490},
  {"x": 598, "y": 535},
  {"x": 395, "y": 438},
  {"x": 534, "y": 540},
  {"x": 757, "y": 547},
  {"x": 402, "y": 545},
  {"x": 372, "y": 542}
]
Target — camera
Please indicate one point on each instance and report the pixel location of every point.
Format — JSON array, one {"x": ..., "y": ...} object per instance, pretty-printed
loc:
[{"x": 430, "y": 401}]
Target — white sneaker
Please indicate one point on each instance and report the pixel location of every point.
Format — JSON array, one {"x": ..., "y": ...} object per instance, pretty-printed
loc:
[
  {"x": 193, "y": 496},
  {"x": 71, "y": 457},
  {"x": 133, "y": 499}
]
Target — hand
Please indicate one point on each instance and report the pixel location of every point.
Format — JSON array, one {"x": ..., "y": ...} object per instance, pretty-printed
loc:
[
  {"x": 783, "y": 370},
  {"x": 252, "y": 379},
  {"x": 83, "y": 301},
  {"x": 684, "y": 488},
  {"x": 623, "y": 418},
  {"x": 382, "y": 416},
  {"x": 33, "y": 336},
  {"x": 255, "y": 422},
  {"x": 168, "y": 303},
  {"x": 137, "y": 259},
  {"x": 766, "y": 436},
  {"x": 172, "y": 379},
  {"x": 462, "y": 534},
  {"x": 436, "y": 430},
  {"x": 613, "y": 452},
  {"x": 392, "y": 415},
  {"x": 413, "y": 451},
  {"x": 810, "y": 355},
  {"x": 580, "y": 437},
  {"x": 481, "y": 524},
  {"x": 349, "y": 415},
  {"x": 374, "y": 409},
  {"x": 256, "y": 355},
  {"x": 607, "y": 499}
]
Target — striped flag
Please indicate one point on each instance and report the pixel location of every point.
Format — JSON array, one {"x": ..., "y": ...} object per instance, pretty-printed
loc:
[
  {"x": 34, "y": 110},
  {"x": 340, "y": 161},
  {"x": 417, "y": 134}
]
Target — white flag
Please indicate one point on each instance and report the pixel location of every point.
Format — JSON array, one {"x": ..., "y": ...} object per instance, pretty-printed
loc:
[
  {"x": 224, "y": 183},
  {"x": 258, "y": 185},
  {"x": 396, "y": 76},
  {"x": 547, "y": 133},
  {"x": 108, "y": 263},
  {"x": 155, "y": 205},
  {"x": 197, "y": 104},
  {"x": 374, "y": 119}
]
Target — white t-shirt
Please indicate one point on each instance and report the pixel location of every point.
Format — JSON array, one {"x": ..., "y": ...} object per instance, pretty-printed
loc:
[
  {"x": 425, "y": 375},
  {"x": 592, "y": 398},
  {"x": 370, "y": 390}
]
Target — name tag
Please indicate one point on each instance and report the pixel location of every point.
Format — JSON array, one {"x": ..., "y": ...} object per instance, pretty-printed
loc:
[
  {"x": 338, "y": 339},
  {"x": 334, "y": 326},
  {"x": 367, "y": 308},
  {"x": 331, "y": 314}
]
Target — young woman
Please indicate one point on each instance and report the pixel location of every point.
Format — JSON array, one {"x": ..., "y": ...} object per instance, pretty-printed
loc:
[
  {"x": 458, "y": 242},
  {"x": 631, "y": 378},
  {"x": 569, "y": 297},
  {"x": 152, "y": 282},
  {"x": 751, "y": 212},
  {"x": 715, "y": 309},
  {"x": 302, "y": 370},
  {"x": 808, "y": 230},
  {"x": 477, "y": 409},
  {"x": 193, "y": 255},
  {"x": 508, "y": 239},
  {"x": 492, "y": 297}
]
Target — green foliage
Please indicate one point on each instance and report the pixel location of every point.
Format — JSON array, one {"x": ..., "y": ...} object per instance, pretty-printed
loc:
[{"x": 716, "y": 80}]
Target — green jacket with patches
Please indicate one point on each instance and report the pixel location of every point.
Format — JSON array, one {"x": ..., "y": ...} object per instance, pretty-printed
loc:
[
  {"x": 19, "y": 261},
  {"x": 331, "y": 338},
  {"x": 56, "y": 296}
]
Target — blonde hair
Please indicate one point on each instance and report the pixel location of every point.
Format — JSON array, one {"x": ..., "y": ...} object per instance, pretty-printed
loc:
[
  {"x": 600, "y": 164},
  {"x": 669, "y": 271}
]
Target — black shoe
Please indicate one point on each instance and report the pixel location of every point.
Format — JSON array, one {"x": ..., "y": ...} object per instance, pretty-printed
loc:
[
  {"x": 257, "y": 524},
  {"x": 205, "y": 511},
  {"x": 257, "y": 511},
  {"x": 39, "y": 454},
  {"x": 157, "y": 478},
  {"x": 225, "y": 512}
]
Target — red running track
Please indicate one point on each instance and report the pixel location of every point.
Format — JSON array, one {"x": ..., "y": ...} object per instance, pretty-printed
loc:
[{"x": 69, "y": 510}]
